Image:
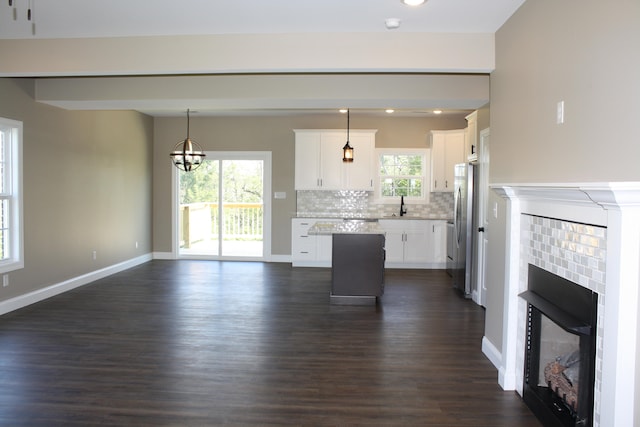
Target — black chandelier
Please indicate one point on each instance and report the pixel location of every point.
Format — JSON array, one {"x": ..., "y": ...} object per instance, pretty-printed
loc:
[{"x": 187, "y": 155}]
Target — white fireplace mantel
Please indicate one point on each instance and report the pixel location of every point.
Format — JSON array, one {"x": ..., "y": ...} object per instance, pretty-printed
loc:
[{"x": 616, "y": 206}]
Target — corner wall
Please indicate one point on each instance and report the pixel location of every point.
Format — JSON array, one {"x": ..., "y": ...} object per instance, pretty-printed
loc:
[{"x": 87, "y": 187}]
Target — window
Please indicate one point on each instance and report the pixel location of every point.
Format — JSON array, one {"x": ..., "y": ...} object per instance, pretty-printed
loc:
[
  {"x": 11, "y": 235},
  {"x": 402, "y": 173}
]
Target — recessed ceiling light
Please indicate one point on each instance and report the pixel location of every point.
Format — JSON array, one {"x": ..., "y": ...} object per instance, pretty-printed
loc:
[
  {"x": 412, "y": 2},
  {"x": 437, "y": 111},
  {"x": 389, "y": 110}
]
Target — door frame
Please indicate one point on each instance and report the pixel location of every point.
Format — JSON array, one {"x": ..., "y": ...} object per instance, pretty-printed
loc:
[{"x": 265, "y": 156}]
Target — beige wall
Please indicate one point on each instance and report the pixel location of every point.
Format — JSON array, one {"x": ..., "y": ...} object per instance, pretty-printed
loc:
[
  {"x": 273, "y": 134},
  {"x": 87, "y": 186},
  {"x": 587, "y": 54}
]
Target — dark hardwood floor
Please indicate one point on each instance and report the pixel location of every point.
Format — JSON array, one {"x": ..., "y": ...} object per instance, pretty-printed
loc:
[{"x": 202, "y": 343}]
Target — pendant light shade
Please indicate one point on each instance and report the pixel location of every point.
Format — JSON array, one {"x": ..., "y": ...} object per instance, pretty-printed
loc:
[
  {"x": 187, "y": 155},
  {"x": 347, "y": 150}
]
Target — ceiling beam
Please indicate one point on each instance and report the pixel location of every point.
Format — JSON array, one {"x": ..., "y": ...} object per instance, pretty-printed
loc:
[{"x": 253, "y": 53}]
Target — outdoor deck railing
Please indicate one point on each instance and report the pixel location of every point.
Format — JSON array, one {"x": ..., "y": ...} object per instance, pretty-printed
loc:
[{"x": 199, "y": 222}]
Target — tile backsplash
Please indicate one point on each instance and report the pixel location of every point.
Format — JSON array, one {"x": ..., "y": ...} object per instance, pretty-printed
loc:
[{"x": 361, "y": 204}]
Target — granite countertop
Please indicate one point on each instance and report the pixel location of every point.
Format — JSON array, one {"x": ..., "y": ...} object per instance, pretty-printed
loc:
[
  {"x": 346, "y": 227},
  {"x": 405, "y": 217}
]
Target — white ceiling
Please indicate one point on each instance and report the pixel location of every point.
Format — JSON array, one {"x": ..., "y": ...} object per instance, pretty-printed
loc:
[
  {"x": 114, "y": 18},
  {"x": 124, "y": 18}
]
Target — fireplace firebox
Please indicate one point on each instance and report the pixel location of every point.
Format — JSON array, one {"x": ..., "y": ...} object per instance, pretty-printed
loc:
[{"x": 560, "y": 349}]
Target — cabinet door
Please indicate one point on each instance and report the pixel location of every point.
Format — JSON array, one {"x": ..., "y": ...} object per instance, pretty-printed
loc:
[
  {"x": 447, "y": 149},
  {"x": 437, "y": 241},
  {"x": 454, "y": 155},
  {"x": 331, "y": 169},
  {"x": 438, "y": 160},
  {"x": 303, "y": 246},
  {"x": 360, "y": 172},
  {"x": 307, "y": 166},
  {"x": 471, "y": 143},
  {"x": 393, "y": 240},
  {"x": 416, "y": 245},
  {"x": 324, "y": 249}
]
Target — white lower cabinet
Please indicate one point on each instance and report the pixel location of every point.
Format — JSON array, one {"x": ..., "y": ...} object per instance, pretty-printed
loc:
[
  {"x": 414, "y": 243},
  {"x": 409, "y": 243},
  {"x": 309, "y": 250}
]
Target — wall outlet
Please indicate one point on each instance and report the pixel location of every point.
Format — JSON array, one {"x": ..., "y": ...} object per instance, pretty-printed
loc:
[
  {"x": 560, "y": 113},
  {"x": 5, "y": 280},
  {"x": 94, "y": 255},
  {"x": 136, "y": 244}
]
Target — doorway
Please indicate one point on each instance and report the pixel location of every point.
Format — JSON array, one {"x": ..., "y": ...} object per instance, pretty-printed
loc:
[
  {"x": 223, "y": 209},
  {"x": 482, "y": 239}
]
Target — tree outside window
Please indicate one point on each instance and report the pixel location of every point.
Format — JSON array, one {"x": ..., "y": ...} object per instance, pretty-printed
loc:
[{"x": 402, "y": 175}]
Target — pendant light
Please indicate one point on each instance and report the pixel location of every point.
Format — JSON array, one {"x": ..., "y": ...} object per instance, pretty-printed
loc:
[
  {"x": 187, "y": 155},
  {"x": 347, "y": 150}
]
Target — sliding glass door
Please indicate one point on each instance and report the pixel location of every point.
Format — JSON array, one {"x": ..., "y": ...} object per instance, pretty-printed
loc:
[{"x": 221, "y": 210}]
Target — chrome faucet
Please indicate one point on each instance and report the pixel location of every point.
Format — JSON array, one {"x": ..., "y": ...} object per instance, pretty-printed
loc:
[{"x": 403, "y": 209}]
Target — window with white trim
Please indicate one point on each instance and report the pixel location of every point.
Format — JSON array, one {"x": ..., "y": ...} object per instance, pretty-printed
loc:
[
  {"x": 11, "y": 234},
  {"x": 402, "y": 172}
]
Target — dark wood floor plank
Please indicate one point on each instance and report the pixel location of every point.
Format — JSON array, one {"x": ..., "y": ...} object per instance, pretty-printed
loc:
[{"x": 198, "y": 343}]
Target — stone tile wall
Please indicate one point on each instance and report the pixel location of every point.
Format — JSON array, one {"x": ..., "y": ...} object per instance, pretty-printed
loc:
[{"x": 361, "y": 204}]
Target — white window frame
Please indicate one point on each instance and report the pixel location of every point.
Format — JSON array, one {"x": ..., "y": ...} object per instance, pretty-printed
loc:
[
  {"x": 426, "y": 173},
  {"x": 12, "y": 169}
]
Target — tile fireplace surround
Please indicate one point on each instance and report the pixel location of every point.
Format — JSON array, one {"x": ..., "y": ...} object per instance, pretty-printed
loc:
[{"x": 590, "y": 234}]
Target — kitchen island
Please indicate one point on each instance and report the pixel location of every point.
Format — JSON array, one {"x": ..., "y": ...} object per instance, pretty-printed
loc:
[{"x": 357, "y": 266}]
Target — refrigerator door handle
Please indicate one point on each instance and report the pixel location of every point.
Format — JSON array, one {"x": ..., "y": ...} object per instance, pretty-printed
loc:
[{"x": 458, "y": 215}]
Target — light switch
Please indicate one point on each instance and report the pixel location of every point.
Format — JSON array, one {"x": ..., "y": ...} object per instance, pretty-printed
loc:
[{"x": 280, "y": 195}]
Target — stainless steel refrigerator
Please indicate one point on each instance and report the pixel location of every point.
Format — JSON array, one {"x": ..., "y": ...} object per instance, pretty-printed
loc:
[{"x": 464, "y": 201}]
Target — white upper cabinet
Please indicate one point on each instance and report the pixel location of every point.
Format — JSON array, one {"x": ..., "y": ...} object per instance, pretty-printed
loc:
[
  {"x": 307, "y": 167},
  {"x": 361, "y": 172},
  {"x": 472, "y": 137},
  {"x": 319, "y": 164},
  {"x": 447, "y": 149}
]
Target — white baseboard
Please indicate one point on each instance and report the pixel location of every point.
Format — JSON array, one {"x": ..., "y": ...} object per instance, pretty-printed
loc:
[
  {"x": 271, "y": 258},
  {"x": 163, "y": 255},
  {"x": 59, "y": 288},
  {"x": 416, "y": 265},
  {"x": 506, "y": 380},
  {"x": 492, "y": 353}
]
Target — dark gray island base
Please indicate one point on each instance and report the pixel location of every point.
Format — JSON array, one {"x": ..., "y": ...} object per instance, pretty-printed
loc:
[{"x": 357, "y": 273}]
